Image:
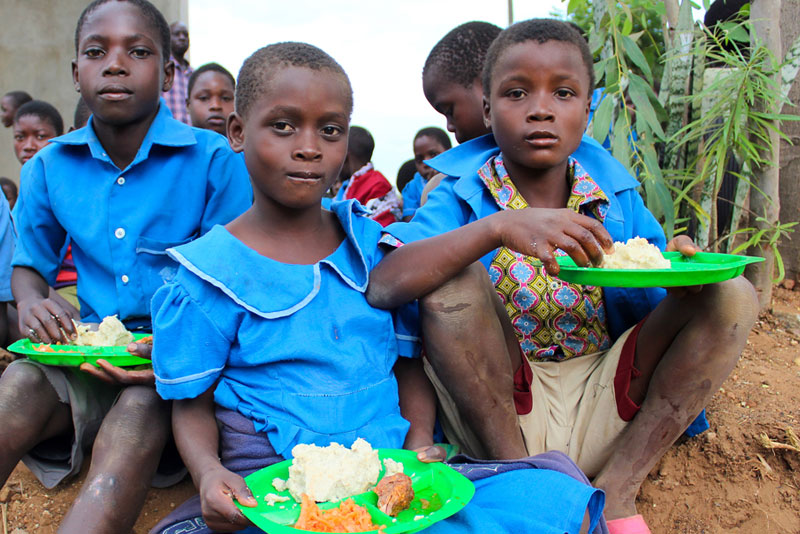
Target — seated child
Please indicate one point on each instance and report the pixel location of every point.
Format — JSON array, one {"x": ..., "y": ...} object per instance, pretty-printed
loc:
[
  {"x": 210, "y": 97},
  {"x": 523, "y": 361},
  {"x": 146, "y": 182},
  {"x": 9, "y": 105},
  {"x": 428, "y": 143},
  {"x": 35, "y": 124},
  {"x": 362, "y": 182},
  {"x": 6, "y": 252},
  {"x": 292, "y": 351}
]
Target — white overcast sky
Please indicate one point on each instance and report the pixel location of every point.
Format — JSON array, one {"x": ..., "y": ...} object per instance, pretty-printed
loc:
[{"x": 381, "y": 45}]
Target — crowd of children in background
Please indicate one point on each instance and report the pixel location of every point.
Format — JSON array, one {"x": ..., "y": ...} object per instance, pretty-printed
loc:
[{"x": 289, "y": 285}]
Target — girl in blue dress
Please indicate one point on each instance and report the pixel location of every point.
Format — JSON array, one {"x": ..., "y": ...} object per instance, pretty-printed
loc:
[{"x": 264, "y": 336}]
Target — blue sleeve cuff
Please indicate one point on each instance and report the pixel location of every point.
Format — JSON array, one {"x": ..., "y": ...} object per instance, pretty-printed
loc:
[{"x": 189, "y": 351}]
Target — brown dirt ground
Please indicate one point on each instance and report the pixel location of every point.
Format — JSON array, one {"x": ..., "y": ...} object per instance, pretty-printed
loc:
[{"x": 743, "y": 476}]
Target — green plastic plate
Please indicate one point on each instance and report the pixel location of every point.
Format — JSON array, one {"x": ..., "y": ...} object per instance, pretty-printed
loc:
[
  {"x": 444, "y": 490},
  {"x": 75, "y": 355},
  {"x": 702, "y": 268}
]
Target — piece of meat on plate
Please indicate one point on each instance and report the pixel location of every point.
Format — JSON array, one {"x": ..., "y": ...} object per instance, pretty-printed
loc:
[{"x": 394, "y": 493}]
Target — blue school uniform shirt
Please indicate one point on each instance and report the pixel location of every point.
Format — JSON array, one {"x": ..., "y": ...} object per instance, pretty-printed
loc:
[
  {"x": 297, "y": 349},
  {"x": 412, "y": 194},
  {"x": 462, "y": 198},
  {"x": 182, "y": 181},
  {"x": 6, "y": 250}
]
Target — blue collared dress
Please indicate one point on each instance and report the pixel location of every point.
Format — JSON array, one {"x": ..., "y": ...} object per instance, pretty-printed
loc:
[
  {"x": 294, "y": 348},
  {"x": 182, "y": 182}
]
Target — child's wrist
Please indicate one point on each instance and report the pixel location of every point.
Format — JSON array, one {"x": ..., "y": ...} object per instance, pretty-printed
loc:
[
  {"x": 497, "y": 226},
  {"x": 418, "y": 438},
  {"x": 200, "y": 472}
]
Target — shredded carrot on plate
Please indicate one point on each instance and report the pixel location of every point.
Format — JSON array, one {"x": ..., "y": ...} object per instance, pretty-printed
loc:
[
  {"x": 47, "y": 348},
  {"x": 349, "y": 517}
]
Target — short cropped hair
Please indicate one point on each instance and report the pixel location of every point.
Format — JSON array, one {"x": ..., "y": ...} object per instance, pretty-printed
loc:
[
  {"x": 19, "y": 97},
  {"x": 259, "y": 69},
  {"x": 437, "y": 133},
  {"x": 541, "y": 31},
  {"x": 360, "y": 143},
  {"x": 151, "y": 14},
  {"x": 82, "y": 114},
  {"x": 209, "y": 67},
  {"x": 405, "y": 174},
  {"x": 46, "y": 112},
  {"x": 460, "y": 54}
]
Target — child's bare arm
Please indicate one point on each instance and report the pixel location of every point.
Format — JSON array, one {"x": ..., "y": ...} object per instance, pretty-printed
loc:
[
  {"x": 40, "y": 318},
  {"x": 418, "y": 407},
  {"x": 418, "y": 268},
  {"x": 197, "y": 438}
]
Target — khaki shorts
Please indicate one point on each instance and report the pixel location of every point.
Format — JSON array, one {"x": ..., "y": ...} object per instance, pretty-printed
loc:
[{"x": 574, "y": 410}]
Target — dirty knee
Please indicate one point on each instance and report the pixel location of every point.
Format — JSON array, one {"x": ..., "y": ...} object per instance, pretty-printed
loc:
[
  {"x": 23, "y": 377},
  {"x": 736, "y": 302},
  {"x": 467, "y": 292}
]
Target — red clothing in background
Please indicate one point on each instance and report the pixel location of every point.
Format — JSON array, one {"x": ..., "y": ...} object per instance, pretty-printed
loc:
[
  {"x": 374, "y": 191},
  {"x": 68, "y": 275}
]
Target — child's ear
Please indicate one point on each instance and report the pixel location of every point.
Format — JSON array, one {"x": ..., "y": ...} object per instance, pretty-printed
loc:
[
  {"x": 169, "y": 76},
  {"x": 75, "y": 77},
  {"x": 235, "y": 131},
  {"x": 487, "y": 113}
]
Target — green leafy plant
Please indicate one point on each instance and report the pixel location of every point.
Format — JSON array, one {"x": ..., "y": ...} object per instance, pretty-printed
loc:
[{"x": 679, "y": 142}]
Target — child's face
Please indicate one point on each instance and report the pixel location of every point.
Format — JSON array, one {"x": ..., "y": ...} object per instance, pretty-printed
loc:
[
  {"x": 294, "y": 137},
  {"x": 539, "y": 104},
  {"x": 120, "y": 71},
  {"x": 460, "y": 105},
  {"x": 7, "y": 110},
  {"x": 211, "y": 101},
  {"x": 426, "y": 147},
  {"x": 31, "y": 134}
]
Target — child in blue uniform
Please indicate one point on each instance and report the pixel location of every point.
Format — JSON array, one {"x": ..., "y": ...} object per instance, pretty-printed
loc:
[
  {"x": 126, "y": 187},
  {"x": 428, "y": 143},
  {"x": 528, "y": 362},
  {"x": 265, "y": 338}
]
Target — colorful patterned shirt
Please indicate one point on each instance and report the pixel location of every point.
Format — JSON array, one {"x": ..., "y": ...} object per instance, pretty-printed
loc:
[
  {"x": 178, "y": 93},
  {"x": 554, "y": 320}
]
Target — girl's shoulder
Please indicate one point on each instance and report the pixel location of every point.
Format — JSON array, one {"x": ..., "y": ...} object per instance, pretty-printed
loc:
[{"x": 362, "y": 232}]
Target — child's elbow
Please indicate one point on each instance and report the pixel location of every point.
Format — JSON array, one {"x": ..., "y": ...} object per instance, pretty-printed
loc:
[{"x": 381, "y": 296}]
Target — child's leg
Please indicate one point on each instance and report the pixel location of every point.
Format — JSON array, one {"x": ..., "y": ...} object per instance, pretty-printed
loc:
[
  {"x": 471, "y": 345},
  {"x": 124, "y": 458},
  {"x": 30, "y": 412},
  {"x": 685, "y": 350}
]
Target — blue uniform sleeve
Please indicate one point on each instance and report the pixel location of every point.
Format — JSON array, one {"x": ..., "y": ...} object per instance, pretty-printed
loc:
[
  {"x": 6, "y": 250},
  {"x": 412, "y": 194},
  {"x": 443, "y": 212},
  {"x": 407, "y": 331},
  {"x": 229, "y": 192},
  {"x": 189, "y": 351},
  {"x": 39, "y": 234}
]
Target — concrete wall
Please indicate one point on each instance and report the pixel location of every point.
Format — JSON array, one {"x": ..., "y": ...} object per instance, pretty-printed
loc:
[{"x": 36, "y": 48}]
